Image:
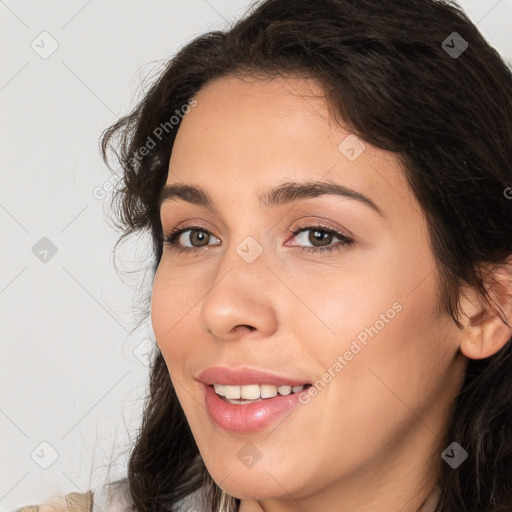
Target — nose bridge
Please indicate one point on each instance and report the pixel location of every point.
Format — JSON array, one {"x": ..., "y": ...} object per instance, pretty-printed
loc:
[
  {"x": 237, "y": 295},
  {"x": 247, "y": 241},
  {"x": 247, "y": 254},
  {"x": 242, "y": 266}
]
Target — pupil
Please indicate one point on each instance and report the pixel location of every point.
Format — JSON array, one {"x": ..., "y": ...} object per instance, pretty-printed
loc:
[
  {"x": 320, "y": 236},
  {"x": 200, "y": 235}
]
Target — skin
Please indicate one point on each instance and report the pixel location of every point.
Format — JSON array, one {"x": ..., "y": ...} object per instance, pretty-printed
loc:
[{"x": 364, "y": 442}]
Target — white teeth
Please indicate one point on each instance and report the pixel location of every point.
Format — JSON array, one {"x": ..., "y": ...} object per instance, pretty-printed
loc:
[
  {"x": 251, "y": 392},
  {"x": 268, "y": 391},
  {"x": 232, "y": 392},
  {"x": 254, "y": 391},
  {"x": 219, "y": 389},
  {"x": 284, "y": 390}
]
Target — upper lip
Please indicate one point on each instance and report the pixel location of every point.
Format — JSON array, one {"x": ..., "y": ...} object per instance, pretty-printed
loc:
[{"x": 242, "y": 376}]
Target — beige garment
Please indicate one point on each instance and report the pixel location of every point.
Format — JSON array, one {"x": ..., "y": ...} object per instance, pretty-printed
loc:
[
  {"x": 432, "y": 501},
  {"x": 72, "y": 502}
]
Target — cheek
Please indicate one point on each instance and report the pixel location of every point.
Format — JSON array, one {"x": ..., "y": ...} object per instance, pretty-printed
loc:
[
  {"x": 384, "y": 334},
  {"x": 346, "y": 309},
  {"x": 172, "y": 303},
  {"x": 394, "y": 361}
]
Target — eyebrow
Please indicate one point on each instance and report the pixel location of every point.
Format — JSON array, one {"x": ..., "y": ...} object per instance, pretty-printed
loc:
[{"x": 282, "y": 194}]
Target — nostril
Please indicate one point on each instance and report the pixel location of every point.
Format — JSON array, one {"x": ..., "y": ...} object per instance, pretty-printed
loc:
[{"x": 240, "y": 326}]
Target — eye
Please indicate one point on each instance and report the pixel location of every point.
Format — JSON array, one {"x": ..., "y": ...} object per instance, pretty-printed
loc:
[
  {"x": 198, "y": 237},
  {"x": 322, "y": 236},
  {"x": 194, "y": 234}
]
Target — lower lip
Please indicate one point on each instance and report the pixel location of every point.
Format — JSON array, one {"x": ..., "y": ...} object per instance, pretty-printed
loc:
[{"x": 248, "y": 417}]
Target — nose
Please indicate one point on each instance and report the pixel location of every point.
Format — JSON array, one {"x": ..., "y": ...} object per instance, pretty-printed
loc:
[{"x": 240, "y": 299}]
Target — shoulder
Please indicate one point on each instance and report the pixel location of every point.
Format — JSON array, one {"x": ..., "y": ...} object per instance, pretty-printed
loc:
[
  {"x": 111, "y": 497},
  {"x": 72, "y": 502}
]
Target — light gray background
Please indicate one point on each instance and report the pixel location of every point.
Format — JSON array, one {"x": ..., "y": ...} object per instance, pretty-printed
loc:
[{"x": 73, "y": 373}]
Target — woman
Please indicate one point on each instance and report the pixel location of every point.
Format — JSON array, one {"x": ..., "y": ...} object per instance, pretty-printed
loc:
[{"x": 327, "y": 187}]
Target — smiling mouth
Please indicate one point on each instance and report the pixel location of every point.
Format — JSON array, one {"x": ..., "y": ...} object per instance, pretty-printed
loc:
[{"x": 253, "y": 393}]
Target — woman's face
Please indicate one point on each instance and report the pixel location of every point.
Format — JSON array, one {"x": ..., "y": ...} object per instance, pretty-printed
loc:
[{"x": 348, "y": 304}]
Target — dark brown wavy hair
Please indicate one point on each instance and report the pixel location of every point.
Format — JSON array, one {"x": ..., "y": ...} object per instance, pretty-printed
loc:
[{"x": 389, "y": 77}]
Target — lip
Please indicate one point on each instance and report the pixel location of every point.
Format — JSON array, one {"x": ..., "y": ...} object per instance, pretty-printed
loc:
[
  {"x": 251, "y": 417},
  {"x": 245, "y": 376},
  {"x": 246, "y": 418}
]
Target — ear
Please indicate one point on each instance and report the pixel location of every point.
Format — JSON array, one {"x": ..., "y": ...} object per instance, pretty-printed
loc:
[{"x": 487, "y": 326}]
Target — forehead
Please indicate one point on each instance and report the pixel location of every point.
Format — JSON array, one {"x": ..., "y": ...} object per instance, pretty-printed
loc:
[{"x": 247, "y": 135}]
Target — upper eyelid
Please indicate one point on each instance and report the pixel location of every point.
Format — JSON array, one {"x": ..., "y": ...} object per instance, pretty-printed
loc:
[{"x": 314, "y": 221}]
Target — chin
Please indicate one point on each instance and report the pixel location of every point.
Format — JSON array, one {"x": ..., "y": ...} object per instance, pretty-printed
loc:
[{"x": 270, "y": 479}]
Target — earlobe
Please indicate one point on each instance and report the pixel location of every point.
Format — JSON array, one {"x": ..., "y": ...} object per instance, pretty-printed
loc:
[{"x": 487, "y": 323}]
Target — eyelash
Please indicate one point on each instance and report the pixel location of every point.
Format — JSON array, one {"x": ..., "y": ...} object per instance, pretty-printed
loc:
[{"x": 171, "y": 239}]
